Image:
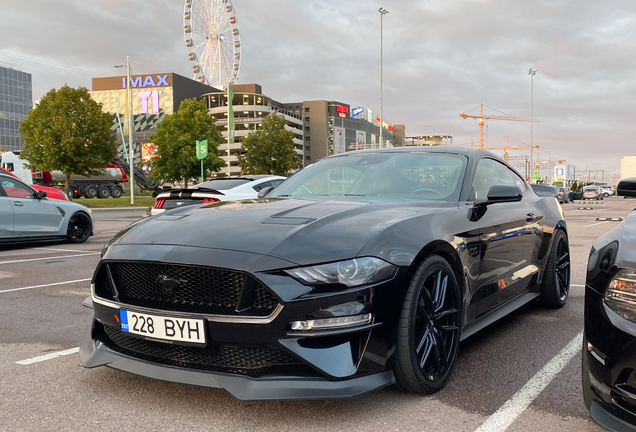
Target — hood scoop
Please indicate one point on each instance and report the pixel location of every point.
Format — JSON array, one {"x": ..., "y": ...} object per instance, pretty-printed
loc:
[{"x": 287, "y": 221}]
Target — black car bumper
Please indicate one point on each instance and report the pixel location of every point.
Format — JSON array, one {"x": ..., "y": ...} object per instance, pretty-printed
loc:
[
  {"x": 609, "y": 372},
  {"x": 95, "y": 354},
  {"x": 253, "y": 356}
]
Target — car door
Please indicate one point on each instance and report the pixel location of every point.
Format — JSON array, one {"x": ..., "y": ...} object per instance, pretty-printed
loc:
[
  {"x": 32, "y": 216},
  {"x": 507, "y": 240},
  {"x": 6, "y": 216}
]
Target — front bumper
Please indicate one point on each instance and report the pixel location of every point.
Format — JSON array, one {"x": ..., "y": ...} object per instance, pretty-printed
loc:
[
  {"x": 610, "y": 377},
  {"x": 261, "y": 358},
  {"x": 95, "y": 354}
]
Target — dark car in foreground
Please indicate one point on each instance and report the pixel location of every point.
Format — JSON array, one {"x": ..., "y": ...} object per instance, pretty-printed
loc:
[
  {"x": 609, "y": 342},
  {"x": 362, "y": 270}
]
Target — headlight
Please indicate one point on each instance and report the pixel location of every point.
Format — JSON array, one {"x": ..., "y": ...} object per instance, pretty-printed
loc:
[
  {"x": 358, "y": 271},
  {"x": 620, "y": 295}
]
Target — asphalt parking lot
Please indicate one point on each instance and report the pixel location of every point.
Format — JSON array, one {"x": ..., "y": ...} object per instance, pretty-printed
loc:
[{"x": 520, "y": 373}]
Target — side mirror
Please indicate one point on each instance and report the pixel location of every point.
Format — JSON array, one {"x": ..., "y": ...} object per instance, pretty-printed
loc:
[
  {"x": 501, "y": 193},
  {"x": 263, "y": 192},
  {"x": 40, "y": 194}
]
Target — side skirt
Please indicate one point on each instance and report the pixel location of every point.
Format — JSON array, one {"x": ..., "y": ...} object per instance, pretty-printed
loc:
[{"x": 497, "y": 314}]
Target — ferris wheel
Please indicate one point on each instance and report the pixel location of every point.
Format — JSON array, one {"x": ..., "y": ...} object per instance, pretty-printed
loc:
[{"x": 213, "y": 41}]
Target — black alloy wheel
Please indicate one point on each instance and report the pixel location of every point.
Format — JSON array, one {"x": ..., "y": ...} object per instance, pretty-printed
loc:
[
  {"x": 556, "y": 280},
  {"x": 429, "y": 328},
  {"x": 79, "y": 228}
]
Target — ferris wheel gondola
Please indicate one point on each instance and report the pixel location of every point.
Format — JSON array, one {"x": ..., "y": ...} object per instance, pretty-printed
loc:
[{"x": 212, "y": 41}]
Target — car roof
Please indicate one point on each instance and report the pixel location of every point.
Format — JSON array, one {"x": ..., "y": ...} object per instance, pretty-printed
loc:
[{"x": 246, "y": 177}]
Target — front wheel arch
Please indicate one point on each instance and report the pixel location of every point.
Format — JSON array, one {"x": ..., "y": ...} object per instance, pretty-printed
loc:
[{"x": 446, "y": 251}]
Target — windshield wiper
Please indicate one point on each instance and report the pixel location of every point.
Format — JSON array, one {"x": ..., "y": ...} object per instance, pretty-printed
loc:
[{"x": 354, "y": 195}]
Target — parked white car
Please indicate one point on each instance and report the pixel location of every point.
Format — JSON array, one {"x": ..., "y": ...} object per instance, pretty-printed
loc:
[
  {"x": 220, "y": 189},
  {"x": 607, "y": 191}
]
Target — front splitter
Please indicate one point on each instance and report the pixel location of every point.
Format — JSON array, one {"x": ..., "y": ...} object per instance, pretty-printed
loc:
[{"x": 244, "y": 388}]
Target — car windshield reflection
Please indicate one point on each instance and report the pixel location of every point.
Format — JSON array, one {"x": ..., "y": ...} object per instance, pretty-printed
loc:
[{"x": 422, "y": 176}]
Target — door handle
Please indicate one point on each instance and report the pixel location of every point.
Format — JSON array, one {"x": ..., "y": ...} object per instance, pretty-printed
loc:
[
  {"x": 18, "y": 204},
  {"x": 529, "y": 217}
]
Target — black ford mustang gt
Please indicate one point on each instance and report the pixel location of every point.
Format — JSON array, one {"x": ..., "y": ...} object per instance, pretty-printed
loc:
[
  {"x": 609, "y": 342},
  {"x": 362, "y": 270}
]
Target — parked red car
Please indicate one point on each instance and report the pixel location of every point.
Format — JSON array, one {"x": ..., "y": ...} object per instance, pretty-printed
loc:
[{"x": 51, "y": 192}]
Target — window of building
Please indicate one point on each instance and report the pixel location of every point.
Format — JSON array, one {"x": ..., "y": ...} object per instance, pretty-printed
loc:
[
  {"x": 308, "y": 148},
  {"x": 307, "y": 128},
  {"x": 306, "y": 109},
  {"x": 307, "y": 138},
  {"x": 306, "y": 118}
]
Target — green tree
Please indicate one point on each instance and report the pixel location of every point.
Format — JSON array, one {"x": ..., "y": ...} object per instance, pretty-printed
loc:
[
  {"x": 69, "y": 132},
  {"x": 176, "y": 137},
  {"x": 270, "y": 149}
]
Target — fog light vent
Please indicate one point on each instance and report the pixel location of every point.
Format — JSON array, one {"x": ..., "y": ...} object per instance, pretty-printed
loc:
[{"x": 330, "y": 323}]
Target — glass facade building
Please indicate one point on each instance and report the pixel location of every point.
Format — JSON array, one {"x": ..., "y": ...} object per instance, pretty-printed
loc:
[{"x": 16, "y": 98}]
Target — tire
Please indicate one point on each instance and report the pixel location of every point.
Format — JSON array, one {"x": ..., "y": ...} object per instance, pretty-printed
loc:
[
  {"x": 103, "y": 192},
  {"x": 116, "y": 192},
  {"x": 79, "y": 228},
  {"x": 585, "y": 376},
  {"x": 89, "y": 192},
  {"x": 556, "y": 279},
  {"x": 605, "y": 194},
  {"x": 429, "y": 328}
]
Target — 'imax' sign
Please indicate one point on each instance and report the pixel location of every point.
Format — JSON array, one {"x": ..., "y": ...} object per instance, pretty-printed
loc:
[{"x": 141, "y": 81}]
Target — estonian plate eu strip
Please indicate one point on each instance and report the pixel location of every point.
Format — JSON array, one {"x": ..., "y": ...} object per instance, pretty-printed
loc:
[
  {"x": 44, "y": 286},
  {"x": 48, "y": 356},
  {"x": 508, "y": 413}
]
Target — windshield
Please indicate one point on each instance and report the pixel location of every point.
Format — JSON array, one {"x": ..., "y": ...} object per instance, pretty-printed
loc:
[{"x": 424, "y": 176}]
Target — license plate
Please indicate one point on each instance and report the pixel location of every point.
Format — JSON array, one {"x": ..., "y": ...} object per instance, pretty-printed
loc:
[{"x": 161, "y": 327}]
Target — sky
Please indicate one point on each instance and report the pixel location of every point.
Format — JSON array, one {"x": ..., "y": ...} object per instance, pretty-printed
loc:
[{"x": 441, "y": 58}]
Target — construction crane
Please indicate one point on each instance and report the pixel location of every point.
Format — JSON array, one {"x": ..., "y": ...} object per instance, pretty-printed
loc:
[
  {"x": 483, "y": 117},
  {"x": 505, "y": 148}
]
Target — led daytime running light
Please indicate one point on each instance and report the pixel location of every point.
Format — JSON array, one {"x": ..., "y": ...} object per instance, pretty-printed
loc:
[{"x": 331, "y": 323}]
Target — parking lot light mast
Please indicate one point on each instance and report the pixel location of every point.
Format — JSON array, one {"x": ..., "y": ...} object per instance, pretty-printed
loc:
[
  {"x": 532, "y": 73},
  {"x": 131, "y": 128},
  {"x": 382, "y": 13}
]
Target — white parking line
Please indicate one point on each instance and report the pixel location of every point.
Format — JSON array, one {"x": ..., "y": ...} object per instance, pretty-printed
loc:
[
  {"x": 48, "y": 356},
  {"x": 577, "y": 285},
  {"x": 49, "y": 258},
  {"x": 64, "y": 250},
  {"x": 508, "y": 413},
  {"x": 44, "y": 286},
  {"x": 599, "y": 223}
]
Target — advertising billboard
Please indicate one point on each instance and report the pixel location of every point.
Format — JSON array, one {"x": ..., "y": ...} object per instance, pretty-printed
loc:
[
  {"x": 338, "y": 140},
  {"x": 359, "y": 112},
  {"x": 361, "y": 140},
  {"x": 559, "y": 173}
]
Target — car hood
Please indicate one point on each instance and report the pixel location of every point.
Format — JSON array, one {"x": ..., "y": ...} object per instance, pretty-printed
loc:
[{"x": 300, "y": 231}]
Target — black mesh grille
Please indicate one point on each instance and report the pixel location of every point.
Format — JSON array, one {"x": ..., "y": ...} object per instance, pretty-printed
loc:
[
  {"x": 189, "y": 289},
  {"x": 247, "y": 361}
]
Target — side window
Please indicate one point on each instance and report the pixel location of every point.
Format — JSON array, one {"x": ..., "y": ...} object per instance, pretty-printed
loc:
[
  {"x": 489, "y": 172},
  {"x": 260, "y": 186},
  {"x": 276, "y": 182},
  {"x": 14, "y": 189}
]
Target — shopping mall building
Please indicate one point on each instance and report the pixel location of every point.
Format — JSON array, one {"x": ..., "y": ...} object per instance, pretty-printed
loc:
[{"x": 320, "y": 127}]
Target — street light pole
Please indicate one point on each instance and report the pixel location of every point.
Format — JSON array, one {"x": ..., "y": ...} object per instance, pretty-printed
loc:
[
  {"x": 531, "y": 72},
  {"x": 382, "y": 13},
  {"x": 131, "y": 129}
]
